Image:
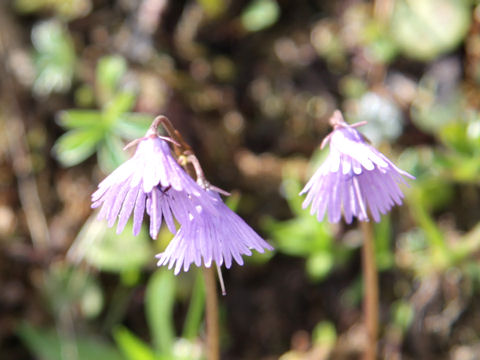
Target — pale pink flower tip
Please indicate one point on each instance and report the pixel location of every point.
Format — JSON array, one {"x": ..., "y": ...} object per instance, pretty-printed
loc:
[{"x": 354, "y": 178}]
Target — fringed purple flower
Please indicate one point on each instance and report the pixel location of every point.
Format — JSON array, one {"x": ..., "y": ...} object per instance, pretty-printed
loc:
[
  {"x": 355, "y": 178},
  {"x": 169, "y": 203},
  {"x": 150, "y": 175},
  {"x": 153, "y": 182},
  {"x": 220, "y": 237}
]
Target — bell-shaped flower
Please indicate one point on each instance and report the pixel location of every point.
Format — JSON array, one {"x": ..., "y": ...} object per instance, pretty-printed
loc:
[
  {"x": 218, "y": 236},
  {"x": 355, "y": 178},
  {"x": 149, "y": 176}
]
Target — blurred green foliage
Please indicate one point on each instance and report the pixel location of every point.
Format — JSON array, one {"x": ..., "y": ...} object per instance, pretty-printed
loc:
[
  {"x": 261, "y": 76},
  {"x": 102, "y": 247},
  {"x": 54, "y": 57},
  {"x": 425, "y": 29},
  {"x": 305, "y": 237},
  {"x": 49, "y": 344},
  {"x": 65, "y": 9},
  {"x": 101, "y": 132},
  {"x": 67, "y": 288},
  {"x": 260, "y": 14}
]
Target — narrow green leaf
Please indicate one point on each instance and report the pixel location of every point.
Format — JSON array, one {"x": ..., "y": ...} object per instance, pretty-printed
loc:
[
  {"x": 132, "y": 125},
  {"x": 66, "y": 286},
  {"x": 194, "y": 316},
  {"x": 300, "y": 236},
  {"x": 291, "y": 187},
  {"x": 383, "y": 253},
  {"x": 159, "y": 301},
  {"x": 103, "y": 248},
  {"x": 110, "y": 70},
  {"x": 111, "y": 153},
  {"x": 48, "y": 344},
  {"x": 114, "y": 109},
  {"x": 438, "y": 247},
  {"x": 75, "y": 146},
  {"x": 131, "y": 346},
  {"x": 77, "y": 118}
]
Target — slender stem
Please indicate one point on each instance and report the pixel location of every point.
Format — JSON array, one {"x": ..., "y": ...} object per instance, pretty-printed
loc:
[
  {"x": 211, "y": 303},
  {"x": 173, "y": 133},
  {"x": 213, "y": 343},
  {"x": 370, "y": 280}
]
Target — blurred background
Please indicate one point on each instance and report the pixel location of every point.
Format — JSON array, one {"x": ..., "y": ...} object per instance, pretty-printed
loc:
[{"x": 251, "y": 85}]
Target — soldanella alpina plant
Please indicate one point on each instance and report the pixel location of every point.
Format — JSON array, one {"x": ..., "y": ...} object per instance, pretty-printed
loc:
[
  {"x": 358, "y": 181},
  {"x": 161, "y": 185},
  {"x": 153, "y": 181},
  {"x": 355, "y": 179}
]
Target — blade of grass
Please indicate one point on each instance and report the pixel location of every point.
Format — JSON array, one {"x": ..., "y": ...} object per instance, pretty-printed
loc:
[
  {"x": 159, "y": 301},
  {"x": 194, "y": 316}
]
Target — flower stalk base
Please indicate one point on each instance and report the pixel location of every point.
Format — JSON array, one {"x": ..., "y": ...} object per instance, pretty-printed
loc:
[
  {"x": 370, "y": 285},
  {"x": 211, "y": 307}
]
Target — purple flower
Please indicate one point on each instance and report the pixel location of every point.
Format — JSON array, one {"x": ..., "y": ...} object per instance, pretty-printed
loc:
[
  {"x": 218, "y": 236},
  {"x": 354, "y": 178},
  {"x": 150, "y": 178},
  {"x": 169, "y": 204},
  {"x": 153, "y": 182}
]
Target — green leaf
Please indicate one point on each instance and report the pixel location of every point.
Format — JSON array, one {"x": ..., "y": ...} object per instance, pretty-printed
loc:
[
  {"x": 110, "y": 70},
  {"x": 434, "y": 235},
  {"x": 75, "y": 146},
  {"x": 131, "y": 346},
  {"x": 455, "y": 135},
  {"x": 299, "y": 236},
  {"x": 194, "y": 316},
  {"x": 292, "y": 188},
  {"x": 383, "y": 254},
  {"x": 111, "y": 153},
  {"x": 159, "y": 301},
  {"x": 260, "y": 14},
  {"x": 51, "y": 345},
  {"x": 114, "y": 109},
  {"x": 304, "y": 235},
  {"x": 103, "y": 248},
  {"x": 132, "y": 125},
  {"x": 82, "y": 119},
  {"x": 320, "y": 264},
  {"x": 66, "y": 287}
]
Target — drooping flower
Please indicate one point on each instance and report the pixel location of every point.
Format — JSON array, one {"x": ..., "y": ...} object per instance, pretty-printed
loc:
[
  {"x": 355, "y": 178},
  {"x": 149, "y": 176},
  {"x": 152, "y": 181},
  {"x": 220, "y": 236}
]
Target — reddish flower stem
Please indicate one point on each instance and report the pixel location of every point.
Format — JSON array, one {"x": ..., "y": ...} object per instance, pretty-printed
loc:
[
  {"x": 370, "y": 281},
  {"x": 182, "y": 149},
  {"x": 211, "y": 307}
]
